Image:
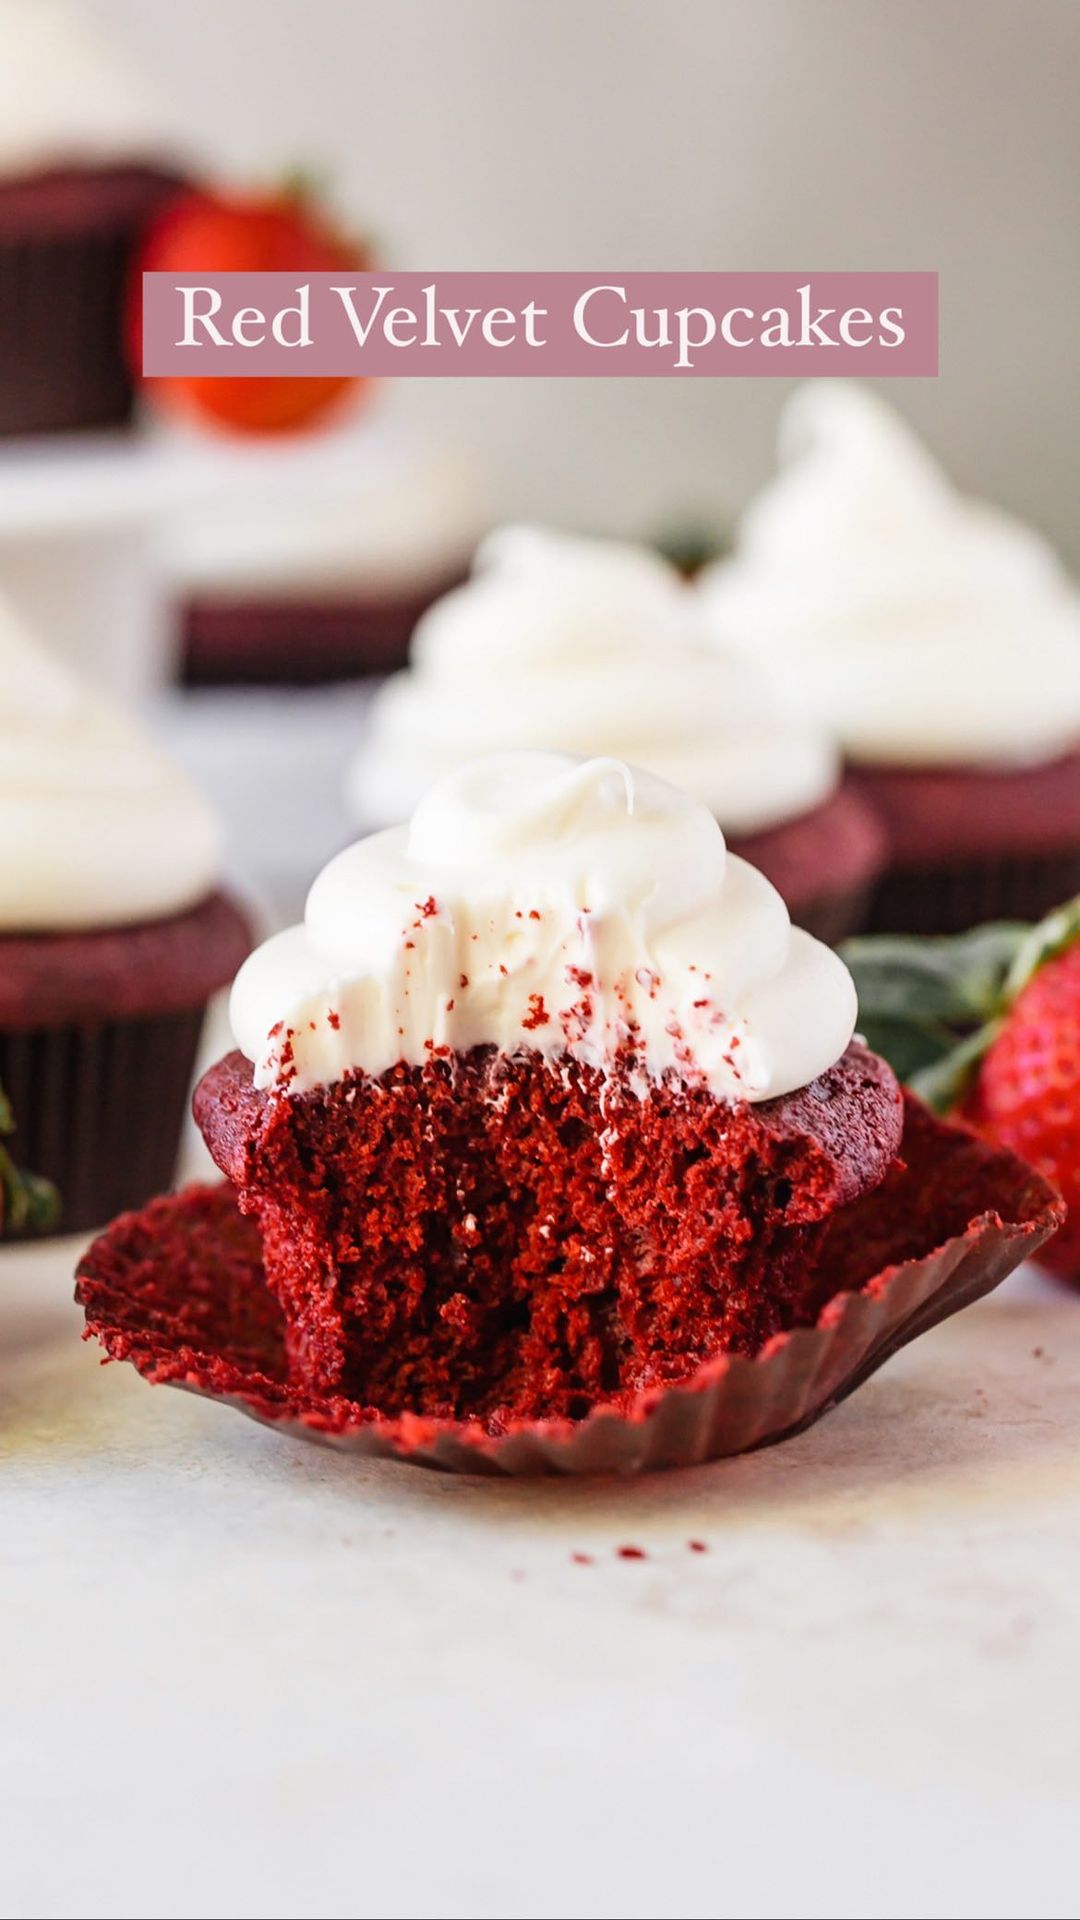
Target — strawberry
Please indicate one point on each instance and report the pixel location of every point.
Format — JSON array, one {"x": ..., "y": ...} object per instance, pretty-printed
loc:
[
  {"x": 270, "y": 233},
  {"x": 986, "y": 1027}
]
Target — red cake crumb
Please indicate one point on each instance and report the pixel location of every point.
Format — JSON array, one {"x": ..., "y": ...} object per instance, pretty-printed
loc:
[
  {"x": 503, "y": 1238},
  {"x": 697, "y": 1546},
  {"x": 632, "y": 1553},
  {"x": 582, "y": 1559}
]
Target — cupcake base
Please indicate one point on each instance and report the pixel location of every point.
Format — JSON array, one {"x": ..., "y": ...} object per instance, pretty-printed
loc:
[
  {"x": 825, "y": 865},
  {"x": 99, "y": 1109},
  {"x": 67, "y": 240},
  {"x": 299, "y": 642},
  {"x": 950, "y": 899},
  {"x": 179, "y": 1291},
  {"x": 973, "y": 844},
  {"x": 98, "y": 1038}
]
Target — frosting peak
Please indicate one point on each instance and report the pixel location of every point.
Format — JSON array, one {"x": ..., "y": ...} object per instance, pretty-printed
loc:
[
  {"x": 920, "y": 625},
  {"x": 538, "y": 902},
  {"x": 585, "y": 646},
  {"x": 97, "y": 829}
]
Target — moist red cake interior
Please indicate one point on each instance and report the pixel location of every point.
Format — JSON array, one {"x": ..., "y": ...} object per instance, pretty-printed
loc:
[{"x": 501, "y": 1238}]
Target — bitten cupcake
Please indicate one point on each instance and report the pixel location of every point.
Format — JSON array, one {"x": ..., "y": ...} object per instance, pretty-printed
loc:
[
  {"x": 592, "y": 646},
  {"x": 112, "y": 938},
  {"x": 938, "y": 638},
  {"x": 82, "y": 171},
  {"x": 552, "y": 1151}
]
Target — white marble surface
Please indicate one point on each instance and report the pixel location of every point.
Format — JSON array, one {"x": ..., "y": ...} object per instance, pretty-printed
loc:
[{"x": 244, "y": 1676}]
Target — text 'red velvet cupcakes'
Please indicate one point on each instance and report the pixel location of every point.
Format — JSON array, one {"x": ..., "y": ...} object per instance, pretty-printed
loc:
[
  {"x": 938, "y": 639},
  {"x": 594, "y": 646},
  {"x": 113, "y": 936},
  {"x": 81, "y": 176},
  {"x": 549, "y": 1148}
]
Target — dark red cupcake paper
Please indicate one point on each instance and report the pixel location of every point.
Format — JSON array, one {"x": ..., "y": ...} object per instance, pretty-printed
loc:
[{"x": 178, "y": 1291}]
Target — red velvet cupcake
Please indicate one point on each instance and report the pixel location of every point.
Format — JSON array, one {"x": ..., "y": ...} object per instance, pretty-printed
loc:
[
  {"x": 537, "y": 1151},
  {"x": 80, "y": 180},
  {"x": 938, "y": 640},
  {"x": 594, "y": 646},
  {"x": 112, "y": 938},
  {"x": 327, "y": 579},
  {"x": 550, "y": 1150}
]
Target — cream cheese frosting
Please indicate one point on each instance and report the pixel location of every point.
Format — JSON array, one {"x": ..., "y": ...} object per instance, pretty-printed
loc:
[
  {"x": 537, "y": 902},
  {"x": 67, "y": 97},
  {"x": 97, "y": 829},
  {"x": 413, "y": 523},
  {"x": 921, "y": 626},
  {"x": 585, "y": 646}
]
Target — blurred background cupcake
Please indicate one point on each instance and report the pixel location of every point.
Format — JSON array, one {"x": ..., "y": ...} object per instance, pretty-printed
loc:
[
  {"x": 85, "y": 163},
  {"x": 329, "y": 582},
  {"x": 113, "y": 937},
  {"x": 937, "y": 638},
  {"x": 595, "y": 647}
]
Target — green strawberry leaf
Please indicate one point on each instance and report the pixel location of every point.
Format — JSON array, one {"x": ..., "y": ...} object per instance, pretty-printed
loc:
[
  {"x": 1041, "y": 943},
  {"x": 27, "y": 1203},
  {"x": 931, "y": 1007},
  {"x": 943, "y": 1083},
  {"x": 955, "y": 980}
]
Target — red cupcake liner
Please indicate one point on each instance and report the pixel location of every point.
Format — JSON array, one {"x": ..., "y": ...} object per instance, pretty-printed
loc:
[
  {"x": 302, "y": 642},
  {"x": 66, "y": 246},
  {"x": 951, "y": 897},
  {"x": 100, "y": 1108},
  {"x": 178, "y": 1290}
]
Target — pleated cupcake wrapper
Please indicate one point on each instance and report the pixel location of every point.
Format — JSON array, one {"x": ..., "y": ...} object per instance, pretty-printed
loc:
[
  {"x": 951, "y": 897},
  {"x": 62, "y": 363},
  {"x": 179, "y": 1292},
  {"x": 295, "y": 642},
  {"x": 99, "y": 1109}
]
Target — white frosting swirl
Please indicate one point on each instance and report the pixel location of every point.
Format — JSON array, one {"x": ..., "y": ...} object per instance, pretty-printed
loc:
[
  {"x": 409, "y": 522},
  {"x": 539, "y": 902},
  {"x": 97, "y": 829},
  {"x": 585, "y": 646},
  {"x": 921, "y": 626},
  {"x": 67, "y": 97}
]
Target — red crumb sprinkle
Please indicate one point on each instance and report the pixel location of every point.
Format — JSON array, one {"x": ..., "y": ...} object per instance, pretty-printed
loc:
[
  {"x": 463, "y": 980},
  {"x": 582, "y": 1559},
  {"x": 534, "y": 913},
  {"x": 697, "y": 1546},
  {"x": 537, "y": 1015},
  {"x": 409, "y": 945},
  {"x": 580, "y": 976},
  {"x": 333, "y": 1020},
  {"x": 632, "y": 1553},
  {"x": 505, "y": 971},
  {"x": 427, "y": 907},
  {"x": 275, "y": 1029},
  {"x": 450, "y": 1006}
]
